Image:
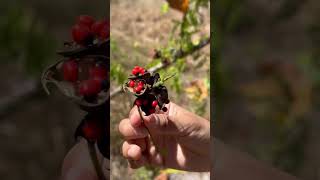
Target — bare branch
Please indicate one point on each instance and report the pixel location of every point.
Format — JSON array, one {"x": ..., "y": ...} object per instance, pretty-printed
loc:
[
  {"x": 17, "y": 98},
  {"x": 164, "y": 64}
]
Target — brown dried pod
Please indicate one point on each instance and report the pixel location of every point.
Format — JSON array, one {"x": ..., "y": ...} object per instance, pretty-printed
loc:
[
  {"x": 153, "y": 90},
  {"x": 100, "y": 48},
  {"x": 85, "y": 58}
]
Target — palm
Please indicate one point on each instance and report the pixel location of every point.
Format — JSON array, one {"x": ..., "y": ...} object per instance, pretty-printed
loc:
[
  {"x": 176, "y": 151},
  {"x": 172, "y": 152}
]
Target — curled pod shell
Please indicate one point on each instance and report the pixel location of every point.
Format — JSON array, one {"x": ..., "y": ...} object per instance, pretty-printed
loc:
[{"x": 85, "y": 59}]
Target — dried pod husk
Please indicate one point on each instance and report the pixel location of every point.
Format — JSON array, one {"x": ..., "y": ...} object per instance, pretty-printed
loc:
[
  {"x": 146, "y": 107},
  {"x": 86, "y": 58},
  {"x": 155, "y": 78},
  {"x": 85, "y": 81},
  {"x": 161, "y": 94},
  {"x": 148, "y": 79},
  {"x": 100, "y": 48},
  {"x": 126, "y": 87},
  {"x": 153, "y": 90},
  {"x": 146, "y": 76}
]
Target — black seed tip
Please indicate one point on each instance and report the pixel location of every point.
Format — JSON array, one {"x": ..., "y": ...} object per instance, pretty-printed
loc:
[{"x": 164, "y": 109}]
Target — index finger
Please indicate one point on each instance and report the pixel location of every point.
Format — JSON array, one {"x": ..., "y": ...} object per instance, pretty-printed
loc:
[
  {"x": 131, "y": 132},
  {"x": 134, "y": 117}
]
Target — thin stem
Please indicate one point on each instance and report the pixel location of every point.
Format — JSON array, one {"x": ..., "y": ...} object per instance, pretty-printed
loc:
[
  {"x": 142, "y": 119},
  {"x": 151, "y": 138},
  {"x": 167, "y": 78},
  {"x": 94, "y": 159}
]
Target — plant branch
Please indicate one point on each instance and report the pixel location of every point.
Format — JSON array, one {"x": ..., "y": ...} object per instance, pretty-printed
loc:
[
  {"x": 94, "y": 159},
  {"x": 151, "y": 138},
  {"x": 164, "y": 63}
]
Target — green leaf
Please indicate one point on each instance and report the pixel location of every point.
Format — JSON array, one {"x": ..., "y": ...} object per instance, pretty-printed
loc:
[
  {"x": 180, "y": 64},
  {"x": 153, "y": 63},
  {"x": 165, "y": 8},
  {"x": 117, "y": 73}
]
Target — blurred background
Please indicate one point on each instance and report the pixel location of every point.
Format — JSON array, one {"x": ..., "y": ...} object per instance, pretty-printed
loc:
[
  {"x": 137, "y": 28},
  {"x": 36, "y": 130},
  {"x": 266, "y": 81}
]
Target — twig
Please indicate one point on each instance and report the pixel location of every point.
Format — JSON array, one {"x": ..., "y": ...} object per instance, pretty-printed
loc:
[
  {"x": 142, "y": 119},
  {"x": 177, "y": 54},
  {"x": 94, "y": 159},
  {"x": 151, "y": 138}
]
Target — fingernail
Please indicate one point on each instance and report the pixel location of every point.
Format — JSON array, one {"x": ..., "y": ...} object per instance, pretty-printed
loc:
[
  {"x": 158, "y": 159},
  {"x": 133, "y": 153},
  {"x": 135, "y": 120}
]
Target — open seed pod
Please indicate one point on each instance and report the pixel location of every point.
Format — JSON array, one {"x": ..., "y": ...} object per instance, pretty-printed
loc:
[
  {"x": 82, "y": 75},
  {"x": 161, "y": 95},
  {"x": 147, "y": 79},
  {"x": 133, "y": 90},
  {"x": 149, "y": 90}
]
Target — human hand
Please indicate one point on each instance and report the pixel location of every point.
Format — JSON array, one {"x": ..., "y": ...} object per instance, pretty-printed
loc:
[
  {"x": 77, "y": 164},
  {"x": 180, "y": 139}
]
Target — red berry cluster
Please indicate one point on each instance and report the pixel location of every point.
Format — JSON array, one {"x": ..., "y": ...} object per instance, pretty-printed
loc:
[
  {"x": 88, "y": 87},
  {"x": 137, "y": 85},
  {"x": 137, "y": 70},
  {"x": 149, "y": 95},
  {"x": 84, "y": 67},
  {"x": 83, "y": 76},
  {"x": 87, "y": 30}
]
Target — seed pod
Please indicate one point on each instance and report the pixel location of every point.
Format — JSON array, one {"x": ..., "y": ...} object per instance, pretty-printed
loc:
[
  {"x": 85, "y": 81},
  {"x": 153, "y": 94},
  {"x": 87, "y": 60}
]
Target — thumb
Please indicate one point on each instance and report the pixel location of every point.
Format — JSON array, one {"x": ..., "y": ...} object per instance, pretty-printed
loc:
[{"x": 167, "y": 123}]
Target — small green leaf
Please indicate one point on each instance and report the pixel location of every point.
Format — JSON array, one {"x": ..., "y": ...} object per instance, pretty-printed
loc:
[
  {"x": 153, "y": 63},
  {"x": 165, "y": 8},
  {"x": 117, "y": 73}
]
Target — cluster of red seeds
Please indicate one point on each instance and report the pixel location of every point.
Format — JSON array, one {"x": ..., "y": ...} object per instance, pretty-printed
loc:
[
  {"x": 87, "y": 30},
  {"x": 83, "y": 76},
  {"x": 90, "y": 87},
  {"x": 137, "y": 85},
  {"x": 137, "y": 70},
  {"x": 141, "y": 87}
]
